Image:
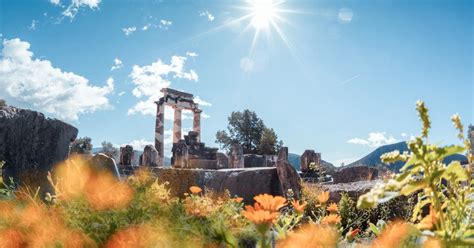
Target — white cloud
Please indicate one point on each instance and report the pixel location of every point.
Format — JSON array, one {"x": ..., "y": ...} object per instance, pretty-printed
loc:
[
  {"x": 345, "y": 15},
  {"x": 121, "y": 93},
  {"x": 207, "y": 14},
  {"x": 404, "y": 135},
  {"x": 164, "y": 24},
  {"x": 201, "y": 102},
  {"x": 55, "y": 2},
  {"x": 205, "y": 116},
  {"x": 33, "y": 25},
  {"x": 191, "y": 54},
  {"x": 76, "y": 5},
  {"x": 128, "y": 31},
  {"x": 117, "y": 64},
  {"x": 150, "y": 79},
  {"x": 62, "y": 94},
  {"x": 247, "y": 64},
  {"x": 139, "y": 144},
  {"x": 146, "y": 27},
  {"x": 375, "y": 139}
]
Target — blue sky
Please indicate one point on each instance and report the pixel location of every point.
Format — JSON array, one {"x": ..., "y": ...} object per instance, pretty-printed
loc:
[{"x": 341, "y": 77}]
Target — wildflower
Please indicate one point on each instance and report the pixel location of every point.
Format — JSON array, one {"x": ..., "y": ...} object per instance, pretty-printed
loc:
[
  {"x": 269, "y": 202},
  {"x": 103, "y": 191},
  {"x": 433, "y": 243},
  {"x": 11, "y": 238},
  {"x": 238, "y": 199},
  {"x": 261, "y": 218},
  {"x": 429, "y": 221},
  {"x": 394, "y": 235},
  {"x": 195, "y": 189},
  {"x": 135, "y": 236},
  {"x": 332, "y": 208},
  {"x": 299, "y": 208},
  {"x": 323, "y": 197},
  {"x": 310, "y": 236},
  {"x": 350, "y": 236},
  {"x": 331, "y": 219}
]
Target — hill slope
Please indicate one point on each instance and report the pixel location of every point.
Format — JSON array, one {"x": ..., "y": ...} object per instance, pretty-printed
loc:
[{"x": 373, "y": 158}]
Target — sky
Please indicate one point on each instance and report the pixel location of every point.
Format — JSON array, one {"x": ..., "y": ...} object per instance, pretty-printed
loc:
[{"x": 339, "y": 77}]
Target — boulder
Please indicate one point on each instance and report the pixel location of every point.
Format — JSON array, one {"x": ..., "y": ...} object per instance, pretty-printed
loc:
[
  {"x": 353, "y": 189},
  {"x": 31, "y": 144},
  {"x": 289, "y": 178},
  {"x": 102, "y": 162},
  {"x": 243, "y": 182},
  {"x": 149, "y": 157},
  {"x": 355, "y": 173}
]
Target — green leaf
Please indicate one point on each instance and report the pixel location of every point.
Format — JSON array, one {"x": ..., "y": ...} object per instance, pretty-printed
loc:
[
  {"x": 412, "y": 187},
  {"x": 450, "y": 150},
  {"x": 457, "y": 170},
  {"x": 411, "y": 161},
  {"x": 374, "y": 229}
]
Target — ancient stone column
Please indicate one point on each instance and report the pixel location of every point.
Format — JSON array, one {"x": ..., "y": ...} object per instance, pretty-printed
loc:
[
  {"x": 159, "y": 132},
  {"x": 197, "y": 123},
  {"x": 177, "y": 125},
  {"x": 237, "y": 156}
]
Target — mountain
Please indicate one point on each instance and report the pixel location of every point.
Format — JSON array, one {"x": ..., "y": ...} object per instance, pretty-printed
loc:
[
  {"x": 373, "y": 158},
  {"x": 295, "y": 161}
]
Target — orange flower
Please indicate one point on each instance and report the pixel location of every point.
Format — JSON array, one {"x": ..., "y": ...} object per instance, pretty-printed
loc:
[
  {"x": 299, "y": 208},
  {"x": 331, "y": 219},
  {"x": 11, "y": 238},
  {"x": 103, "y": 191},
  {"x": 134, "y": 236},
  {"x": 433, "y": 243},
  {"x": 195, "y": 189},
  {"x": 269, "y": 202},
  {"x": 429, "y": 221},
  {"x": 238, "y": 199},
  {"x": 323, "y": 197},
  {"x": 309, "y": 236},
  {"x": 394, "y": 235},
  {"x": 332, "y": 208},
  {"x": 261, "y": 218}
]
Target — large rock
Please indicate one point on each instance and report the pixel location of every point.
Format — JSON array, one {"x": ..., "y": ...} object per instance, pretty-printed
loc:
[
  {"x": 353, "y": 190},
  {"x": 289, "y": 178},
  {"x": 102, "y": 162},
  {"x": 308, "y": 157},
  {"x": 245, "y": 182},
  {"x": 149, "y": 157},
  {"x": 31, "y": 144},
  {"x": 354, "y": 174}
]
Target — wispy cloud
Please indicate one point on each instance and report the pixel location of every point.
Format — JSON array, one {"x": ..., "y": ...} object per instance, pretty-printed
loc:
[
  {"x": 345, "y": 15},
  {"x": 207, "y": 14},
  {"x": 350, "y": 79},
  {"x": 117, "y": 64},
  {"x": 165, "y": 24},
  {"x": 33, "y": 25},
  {"x": 375, "y": 139},
  {"x": 128, "y": 31}
]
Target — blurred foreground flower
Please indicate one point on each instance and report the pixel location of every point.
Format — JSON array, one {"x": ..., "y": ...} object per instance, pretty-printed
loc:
[
  {"x": 394, "y": 235},
  {"x": 299, "y": 208},
  {"x": 323, "y": 197},
  {"x": 332, "y": 219},
  {"x": 195, "y": 189},
  {"x": 310, "y": 236}
]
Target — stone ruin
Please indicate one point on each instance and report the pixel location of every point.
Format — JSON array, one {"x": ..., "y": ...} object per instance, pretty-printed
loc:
[
  {"x": 190, "y": 153},
  {"x": 126, "y": 158},
  {"x": 308, "y": 157}
]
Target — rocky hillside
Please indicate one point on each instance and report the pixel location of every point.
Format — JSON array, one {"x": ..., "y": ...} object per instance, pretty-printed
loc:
[{"x": 373, "y": 158}]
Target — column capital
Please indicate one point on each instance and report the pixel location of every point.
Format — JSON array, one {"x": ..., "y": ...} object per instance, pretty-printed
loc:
[{"x": 197, "y": 111}]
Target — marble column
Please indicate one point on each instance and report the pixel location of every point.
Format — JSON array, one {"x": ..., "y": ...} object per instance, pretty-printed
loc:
[
  {"x": 177, "y": 125},
  {"x": 159, "y": 132},
  {"x": 197, "y": 123}
]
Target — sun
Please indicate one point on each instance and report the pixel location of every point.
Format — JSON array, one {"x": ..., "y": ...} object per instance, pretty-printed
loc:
[{"x": 263, "y": 13}]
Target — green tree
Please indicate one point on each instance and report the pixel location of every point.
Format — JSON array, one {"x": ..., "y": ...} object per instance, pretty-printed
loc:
[
  {"x": 81, "y": 146},
  {"x": 109, "y": 149},
  {"x": 247, "y": 129}
]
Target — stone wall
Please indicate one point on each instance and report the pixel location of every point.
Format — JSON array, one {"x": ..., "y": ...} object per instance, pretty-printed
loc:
[{"x": 32, "y": 144}]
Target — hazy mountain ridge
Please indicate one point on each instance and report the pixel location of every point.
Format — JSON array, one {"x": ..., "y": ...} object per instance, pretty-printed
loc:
[{"x": 373, "y": 159}]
